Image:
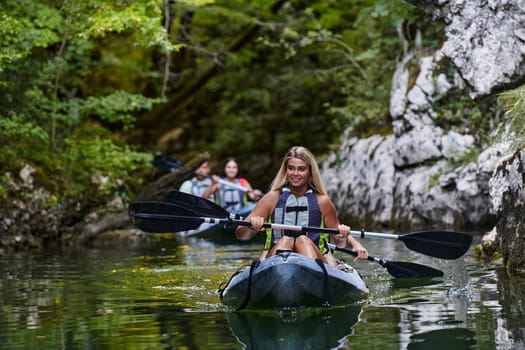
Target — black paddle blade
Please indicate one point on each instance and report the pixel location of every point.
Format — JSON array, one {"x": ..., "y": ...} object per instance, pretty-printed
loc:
[
  {"x": 439, "y": 244},
  {"x": 401, "y": 269},
  {"x": 162, "y": 217},
  {"x": 398, "y": 269},
  {"x": 198, "y": 205},
  {"x": 166, "y": 163}
]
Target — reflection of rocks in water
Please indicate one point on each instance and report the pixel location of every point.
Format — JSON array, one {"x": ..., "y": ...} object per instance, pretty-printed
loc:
[
  {"x": 461, "y": 291},
  {"x": 451, "y": 338},
  {"x": 460, "y": 276},
  {"x": 294, "y": 329},
  {"x": 511, "y": 327}
]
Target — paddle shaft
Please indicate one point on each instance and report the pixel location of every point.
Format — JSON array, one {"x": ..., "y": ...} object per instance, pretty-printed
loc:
[
  {"x": 361, "y": 234},
  {"x": 351, "y": 252},
  {"x": 228, "y": 221}
]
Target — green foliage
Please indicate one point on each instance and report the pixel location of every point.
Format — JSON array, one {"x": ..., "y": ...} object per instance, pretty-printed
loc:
[
  {"x": 471, "y": 156},
  {"x": 101, "y": 162},
  {"x": 117, "y": 108},
  {"x": 12, "y": 128},
  {"x": 313, "y": 72},
  {"x": 464, "y": 115},
  {"x": 20, "y": 35},
  {"x": 18, "y": 141},
  {"x": 514, "y": 103},
  {"x": 46, "y": 55}
]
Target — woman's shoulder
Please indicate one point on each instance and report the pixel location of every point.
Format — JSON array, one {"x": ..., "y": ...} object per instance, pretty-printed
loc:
[
  {"x": 266, "y": 204},
  {"x": 273, "y": 194},
  {"x": 324, "y": 200},
  {"x": 270, "y": 198}
]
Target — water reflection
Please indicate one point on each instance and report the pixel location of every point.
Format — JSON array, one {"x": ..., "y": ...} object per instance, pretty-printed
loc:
[
  {"x": 510, "y": 327},
  {"x": 454, "y": 338},
  {"x": 163, "y": 295},
  {"x": 401, "y": 283},
  {"x": 294, "y": 329}
]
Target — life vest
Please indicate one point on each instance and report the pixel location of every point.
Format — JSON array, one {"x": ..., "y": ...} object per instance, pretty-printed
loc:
[
  {"x": 198, "y": 187},
  {"x": 231, "y": 198},
  {"x": 300, "y": 211}
]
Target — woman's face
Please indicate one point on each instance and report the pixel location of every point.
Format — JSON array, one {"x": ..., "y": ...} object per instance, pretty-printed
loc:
[
  {"x": 297, "y": 172},
  {"x": 231, "y": 169}
]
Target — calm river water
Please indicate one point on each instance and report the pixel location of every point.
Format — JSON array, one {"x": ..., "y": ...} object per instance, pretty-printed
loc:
[{"x": 163, "y": 295}]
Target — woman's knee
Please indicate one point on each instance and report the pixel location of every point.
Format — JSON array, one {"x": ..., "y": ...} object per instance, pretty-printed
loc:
[
  {"x": 285, "y": 243},
  {"x": 304, "y": 241}
]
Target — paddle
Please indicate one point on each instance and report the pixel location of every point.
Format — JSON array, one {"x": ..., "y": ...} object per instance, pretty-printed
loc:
[
  {"x": 398, "y": 269},
  {"x": 164, "y": 220},
  {"x": 168, "y": 164},
  {"x": 439, "y": 244},
  {"x": 163, "y": 217}
]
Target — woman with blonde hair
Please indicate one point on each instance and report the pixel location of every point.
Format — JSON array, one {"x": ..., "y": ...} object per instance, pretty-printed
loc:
[{"x": 298, "y": 197}]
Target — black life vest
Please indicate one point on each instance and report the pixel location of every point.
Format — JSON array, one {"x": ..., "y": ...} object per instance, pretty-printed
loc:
[{"x": 299, "y": 211}]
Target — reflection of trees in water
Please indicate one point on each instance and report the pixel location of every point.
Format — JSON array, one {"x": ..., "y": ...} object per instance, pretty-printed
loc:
[{"x": 450, "y": 338}]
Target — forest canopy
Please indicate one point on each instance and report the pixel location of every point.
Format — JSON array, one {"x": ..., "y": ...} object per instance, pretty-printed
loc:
[{"x": 97, "y": 87}]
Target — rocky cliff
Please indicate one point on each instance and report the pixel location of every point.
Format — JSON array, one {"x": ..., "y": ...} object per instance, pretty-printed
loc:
[
  {"x": 485, "y": 41},
  {"x": 412, "y": 177}
]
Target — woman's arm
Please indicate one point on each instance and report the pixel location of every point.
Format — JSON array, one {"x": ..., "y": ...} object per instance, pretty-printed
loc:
[
  {"x": 214, "y": 187},
  {"x": 258, "y": 216},
  {"x": 253, "y": 194},
  {"x": 331, "y": 221}
]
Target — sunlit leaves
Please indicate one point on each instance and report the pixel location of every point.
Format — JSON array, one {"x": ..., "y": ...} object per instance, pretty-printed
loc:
[
  {"x": 14, "y": 127},
  {"x": 141, "y": 17},
  {"x": 117, "y": 107},
  {"x": 18, "y": 36},
  {"x": 514, "y": 103},
  {"x": 111, "y": 162}
]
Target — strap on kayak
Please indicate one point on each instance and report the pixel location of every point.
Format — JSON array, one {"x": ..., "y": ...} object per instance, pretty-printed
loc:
[
  {"x": 326, "y": 299},
  {"x": 253, "y": 266},
  {"x": 223, "y": 285}
]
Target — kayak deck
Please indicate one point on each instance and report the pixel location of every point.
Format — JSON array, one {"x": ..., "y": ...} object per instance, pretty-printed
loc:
[{"x": 291, "y": 280}]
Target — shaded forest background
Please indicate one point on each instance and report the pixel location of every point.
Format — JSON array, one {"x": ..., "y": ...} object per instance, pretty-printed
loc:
[{"x": 90, "y": 90}]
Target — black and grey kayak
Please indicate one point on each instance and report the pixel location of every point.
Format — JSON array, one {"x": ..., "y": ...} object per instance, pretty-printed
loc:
[{"x": 289, "y": 279}]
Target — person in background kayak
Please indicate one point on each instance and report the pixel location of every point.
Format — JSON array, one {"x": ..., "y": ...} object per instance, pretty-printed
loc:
[
  {"x": 201, "y": 184},
  {"x": 298, "y": 197},
  {"x": 233, "y": 199}
]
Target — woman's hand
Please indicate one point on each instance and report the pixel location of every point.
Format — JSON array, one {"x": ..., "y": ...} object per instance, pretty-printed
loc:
[
  {"x": 255, "y": 195},
  {"x": 215, "y": 183},
  {"x": 362, "y": 253},
  {"x": 342, "y": 237},
  {"x": 257, "y": 222}
]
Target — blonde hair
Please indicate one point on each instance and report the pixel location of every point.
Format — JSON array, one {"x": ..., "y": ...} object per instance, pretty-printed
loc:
[{"x": 306, "y": 156}]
